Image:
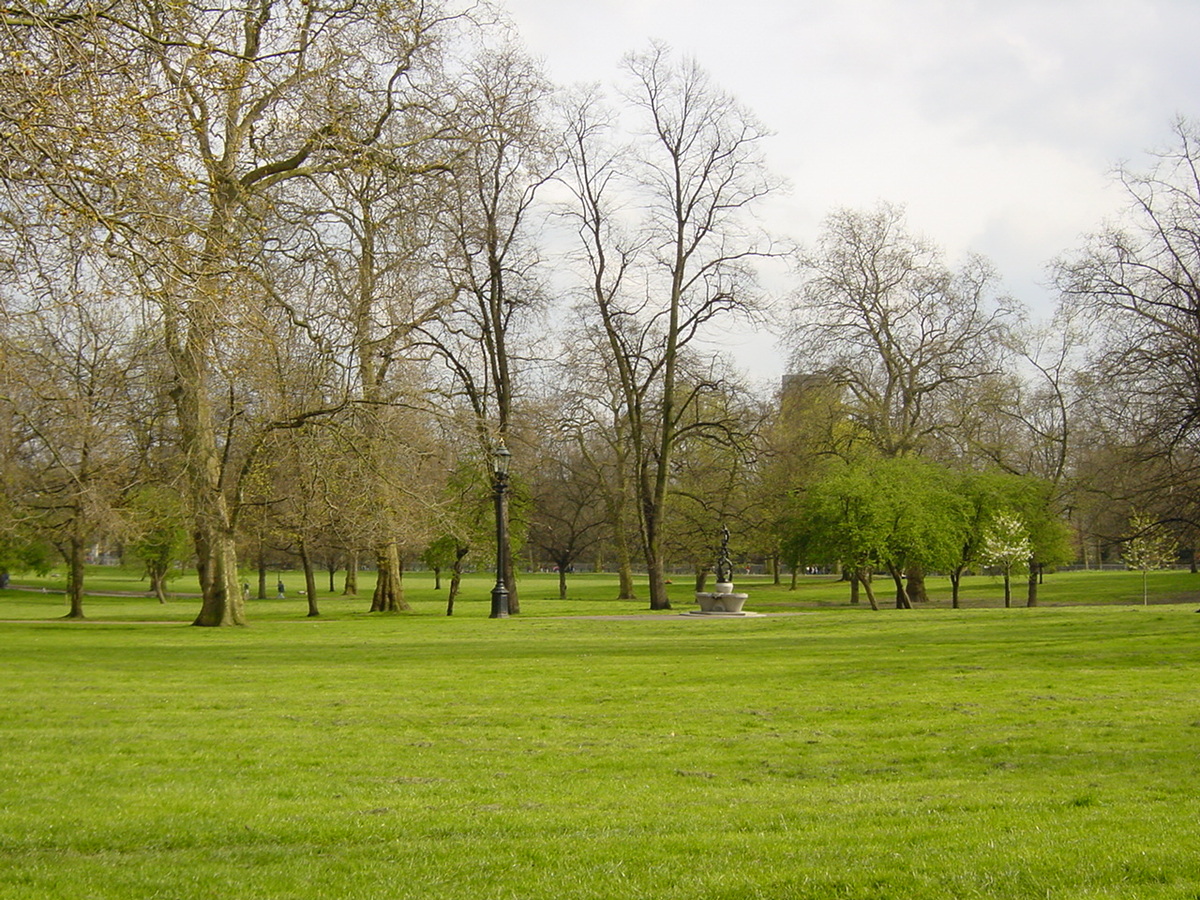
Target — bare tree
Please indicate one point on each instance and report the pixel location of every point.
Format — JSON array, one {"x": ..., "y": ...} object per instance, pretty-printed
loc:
[
  {"x": 174, "y": 129},
  {"x": 490, "y": 254},
  {"x": 654, "y": 287},
  {"x": 1137, "y": 285},
  {"x": 568, "y": 517},
  {"x": 882, "y": 316},
  {"x": 370, "y": 228},
  {"x": 68, "y": 393}
]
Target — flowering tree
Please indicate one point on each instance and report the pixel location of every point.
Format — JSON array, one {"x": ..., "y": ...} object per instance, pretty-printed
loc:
[
  {"x": 1151, "y": 547},
  {"x": 1006, "y": 545}
]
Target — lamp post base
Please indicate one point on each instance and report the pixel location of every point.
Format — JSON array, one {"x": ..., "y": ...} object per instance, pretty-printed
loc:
[{"x": 499, "y": 602}]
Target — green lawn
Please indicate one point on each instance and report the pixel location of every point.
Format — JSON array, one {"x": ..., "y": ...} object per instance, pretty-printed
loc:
[
  {"x": 830, "y": 753},
  {"x": 587, "y": 594}
]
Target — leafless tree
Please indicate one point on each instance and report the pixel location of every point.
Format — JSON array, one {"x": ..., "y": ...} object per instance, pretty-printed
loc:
[
  {"x": 1137, "y": 285},
  {"x": 174, "y": 129},
  {"x": 882, "y": 316},
  {"x": 664, "y": 226},
  {"x": 490, "y": 254},
  {"x": 69, "y": 388}
]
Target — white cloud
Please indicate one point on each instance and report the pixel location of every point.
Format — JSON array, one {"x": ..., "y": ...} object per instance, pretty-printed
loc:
[{"x": 996, "y": 123}]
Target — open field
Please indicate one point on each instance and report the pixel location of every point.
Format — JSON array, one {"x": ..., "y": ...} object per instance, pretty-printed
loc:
[
  {"x": 587, "y": 594},
  {"x": 829, "y": 753}
]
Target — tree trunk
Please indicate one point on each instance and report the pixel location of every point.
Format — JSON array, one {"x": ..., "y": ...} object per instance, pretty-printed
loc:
[
  {"x": 1031, "y": 597},
  {"x": 310, "y": 580},
  {"x": 460, "y": 554},
  {"x": 624, "y": 564},
  {"x": 955, "y": 583},
  {"x": 262, "y": 571},
  {"x": 701, "y": 578},
  {"x": 455, "y": 578},
  {"x": 437, "y": 578},
  {"x": 854, "y": 600},
  {"x": 158, "y": 577},
  {"x": 216, "y": 540},
  {"x": 196, "y": 321},
  {"x": 350, "y": 586},
  {"x": 1007, "y": 588},
  {"x": 625, "y": 580},
  {"x": 75, "y": 566},
  {"x": 775, "y": 570},
  {"x": 203, "y": 570},
  {"x": 903, "y": 601},
  {"x": 616, "y": 503},
  {"x": 658, "y": 586},
  {"x": 655, "y": 568},
  {"x": 864, "y": 578},
  {"x": 223, "y": 604},
  {"x": 562, "y": 582},
  {"x": 389, "y": 587},
  {"x": 510, "y": 575},
  {"x": 916, "y": 585}
]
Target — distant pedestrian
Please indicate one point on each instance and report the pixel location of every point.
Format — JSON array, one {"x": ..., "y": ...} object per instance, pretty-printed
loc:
[{"x": 279, "y": 587}]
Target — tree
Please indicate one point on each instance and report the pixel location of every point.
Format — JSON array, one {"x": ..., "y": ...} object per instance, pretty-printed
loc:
[
  {"x": 490, "y": 257},
  {"x": 984, "y": 495},
  {"x": 1149, "y": 547},
  {"x": 993, "y": 494},
  {"x": 446, "y": 552},
  {"x": 805, "y": 428},
  {"x": 466, "y": 523},
  {"x": 68, "y": 388},
  {"x": 568, "y": 520},
  {"x": 888, "y": 514},
  {"x": 907, "y": 339},
  {"x": 172, "y": 132},
  {"x": 712, "y": 473},
  {"x": 1141, "y": 284},
  {"x": 589, "y": 407},
  {"x": 696, "y": 171},
  {"x": 1006, "y": 545},
  {"x": 157, "y": 533},
  {"x": 880, "y": 315},
  {"x": 1136, "y": 284},
  {"x": 371, "y": 229}
]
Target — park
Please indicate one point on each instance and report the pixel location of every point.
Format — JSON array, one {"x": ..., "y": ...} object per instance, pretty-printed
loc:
[
  {"x": 592, "y": 748},
  {"x": 431, "y": 390}
]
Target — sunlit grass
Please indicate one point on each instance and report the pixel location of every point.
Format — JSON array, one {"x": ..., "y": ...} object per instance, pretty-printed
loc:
[
  {"x": 932, "y": 754},
  {"x": 588, "y": 593}
]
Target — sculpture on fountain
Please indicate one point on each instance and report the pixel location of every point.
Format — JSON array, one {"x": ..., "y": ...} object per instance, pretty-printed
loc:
[{"x": 721, "y": 601}]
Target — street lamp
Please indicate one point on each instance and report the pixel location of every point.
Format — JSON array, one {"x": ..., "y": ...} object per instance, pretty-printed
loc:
[{"x": 500, "y": 460}]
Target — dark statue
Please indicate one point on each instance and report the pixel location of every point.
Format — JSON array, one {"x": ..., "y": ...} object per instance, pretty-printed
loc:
[{"x": 724, "y": 563}]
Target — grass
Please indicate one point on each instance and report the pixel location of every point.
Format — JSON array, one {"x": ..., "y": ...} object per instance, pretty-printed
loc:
[
  {"x": 34, "y": 597},
  {"x": 831, "y": 753}
]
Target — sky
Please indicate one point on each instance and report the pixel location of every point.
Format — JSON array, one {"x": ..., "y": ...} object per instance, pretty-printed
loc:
[{"x": 997, "y": 124}]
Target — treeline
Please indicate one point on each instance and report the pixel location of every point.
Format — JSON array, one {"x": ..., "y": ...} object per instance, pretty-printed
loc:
[{"x": 281, "y": 277}]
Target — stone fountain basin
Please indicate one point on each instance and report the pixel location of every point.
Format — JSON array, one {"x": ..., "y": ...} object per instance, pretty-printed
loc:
[{"x": 719, "y": 601}]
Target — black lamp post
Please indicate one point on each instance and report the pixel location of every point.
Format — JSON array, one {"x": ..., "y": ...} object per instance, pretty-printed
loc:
[{"x": 500, "y": 459}]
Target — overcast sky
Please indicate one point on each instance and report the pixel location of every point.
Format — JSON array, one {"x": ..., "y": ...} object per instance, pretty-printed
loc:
[{"x": 996, "y": 123}]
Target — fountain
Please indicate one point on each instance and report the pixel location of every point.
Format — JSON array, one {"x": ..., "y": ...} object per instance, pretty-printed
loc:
[{"x": 722, "y": 601}]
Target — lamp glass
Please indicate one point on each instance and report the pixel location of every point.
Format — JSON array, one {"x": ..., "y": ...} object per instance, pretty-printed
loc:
[{"x": 501, "y": 456}]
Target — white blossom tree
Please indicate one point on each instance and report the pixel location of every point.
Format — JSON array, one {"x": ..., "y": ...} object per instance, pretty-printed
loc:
[
  {"x": 1150, "y": 547},
  {"x": 1007, "y": 546}
]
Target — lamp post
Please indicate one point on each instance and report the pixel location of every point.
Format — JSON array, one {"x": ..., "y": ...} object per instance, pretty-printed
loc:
[{"x": 500, "y": 459}]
